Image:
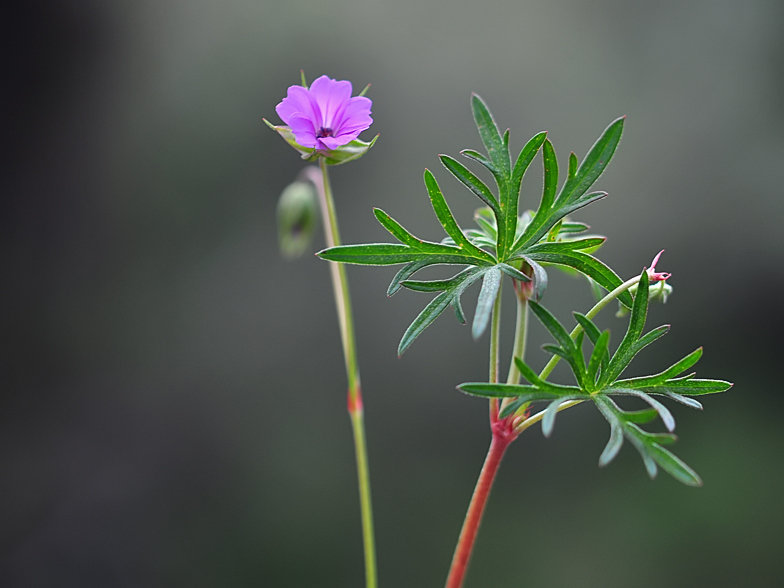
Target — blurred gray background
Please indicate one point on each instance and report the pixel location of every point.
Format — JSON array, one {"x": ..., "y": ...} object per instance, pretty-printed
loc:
[{"x": 173, "y": 393}]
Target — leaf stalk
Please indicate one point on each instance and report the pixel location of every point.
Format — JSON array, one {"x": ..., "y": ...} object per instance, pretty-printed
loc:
[{"x": 521, "y": 337}]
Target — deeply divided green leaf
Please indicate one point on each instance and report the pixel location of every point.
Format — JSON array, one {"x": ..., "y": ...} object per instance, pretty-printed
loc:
[
  {"x": 594, "y": 163},
  {"x": 450, "y": 296},
  {"x": 491, "y": 138},
  {"x": 444, "y": 215},
  {"x": 470, "y": 181}
]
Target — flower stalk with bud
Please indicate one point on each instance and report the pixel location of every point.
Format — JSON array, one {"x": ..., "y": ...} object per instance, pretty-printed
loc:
[{"x": 323, "y": 123}]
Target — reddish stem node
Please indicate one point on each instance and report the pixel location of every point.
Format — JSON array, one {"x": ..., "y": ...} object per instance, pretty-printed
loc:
[{"x": 355, "y": 401}]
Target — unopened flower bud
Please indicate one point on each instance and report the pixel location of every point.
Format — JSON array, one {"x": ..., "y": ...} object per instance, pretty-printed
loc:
[
  {"x": 534, "y": 287},
  {"x": 297, "y": 216},
  {"x": 653, "y": 275},
  {"x": 659, "y": 289}
]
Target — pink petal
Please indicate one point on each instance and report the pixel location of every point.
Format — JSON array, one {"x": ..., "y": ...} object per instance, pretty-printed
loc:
[
  {"x": 297, "y": 101},
  {"x": 331, "y": 97},
  {"x": 332, "y": 142},
  {"x": 303, "y": 130},
  {"x": 356, "y": 115},
  {"x": 347, "y": 135}
]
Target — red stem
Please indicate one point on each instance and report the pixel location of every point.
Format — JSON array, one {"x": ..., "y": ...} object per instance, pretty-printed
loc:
[{"x": 503, "y": 435}]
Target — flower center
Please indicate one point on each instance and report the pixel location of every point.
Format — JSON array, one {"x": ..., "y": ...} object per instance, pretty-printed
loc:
[{"x": 324, "y": 132}]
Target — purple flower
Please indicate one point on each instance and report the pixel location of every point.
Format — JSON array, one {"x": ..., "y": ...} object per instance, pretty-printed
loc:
[{"x": 325, "y": 116}]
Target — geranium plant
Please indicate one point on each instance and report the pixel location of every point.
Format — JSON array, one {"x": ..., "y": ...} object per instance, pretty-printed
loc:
[{"x": 523, "y": 247}]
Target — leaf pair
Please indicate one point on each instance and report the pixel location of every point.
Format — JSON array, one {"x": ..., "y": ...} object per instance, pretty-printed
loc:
[
  {"x": 504, "y": 241},
  {"x": 598, "y": 381}
]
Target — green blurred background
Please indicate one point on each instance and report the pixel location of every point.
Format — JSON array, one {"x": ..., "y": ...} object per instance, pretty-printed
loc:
[{"x": 173, "y": 394}]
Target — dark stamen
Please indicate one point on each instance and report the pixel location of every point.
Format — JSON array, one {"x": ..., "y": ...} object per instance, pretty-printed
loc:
[{"x": 324, "y": 132}]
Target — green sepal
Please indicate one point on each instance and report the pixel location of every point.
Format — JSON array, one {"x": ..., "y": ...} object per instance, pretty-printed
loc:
[
  {"x": 343, "y": 154},
  {"x": 297, "y": 215}
]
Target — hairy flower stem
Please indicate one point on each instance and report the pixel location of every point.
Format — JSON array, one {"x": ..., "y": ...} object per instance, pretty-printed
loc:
[{"x": 355, "y": 409}]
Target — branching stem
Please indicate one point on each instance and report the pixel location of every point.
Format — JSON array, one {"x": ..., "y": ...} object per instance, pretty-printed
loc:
[{"x": 547, "y": 370}]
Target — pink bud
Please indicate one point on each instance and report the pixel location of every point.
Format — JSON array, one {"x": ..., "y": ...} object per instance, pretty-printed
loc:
[{"x": 655, "y": 276}]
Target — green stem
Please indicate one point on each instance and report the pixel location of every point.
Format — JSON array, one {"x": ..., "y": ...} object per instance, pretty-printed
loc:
[
  {"x": 495, "y": 338},
  {"x": 495, "y": 344},
  {"x": 547, "y": 370},
  {"x": 521, "y": 336},
  {"x": 355, "y": 407}
]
